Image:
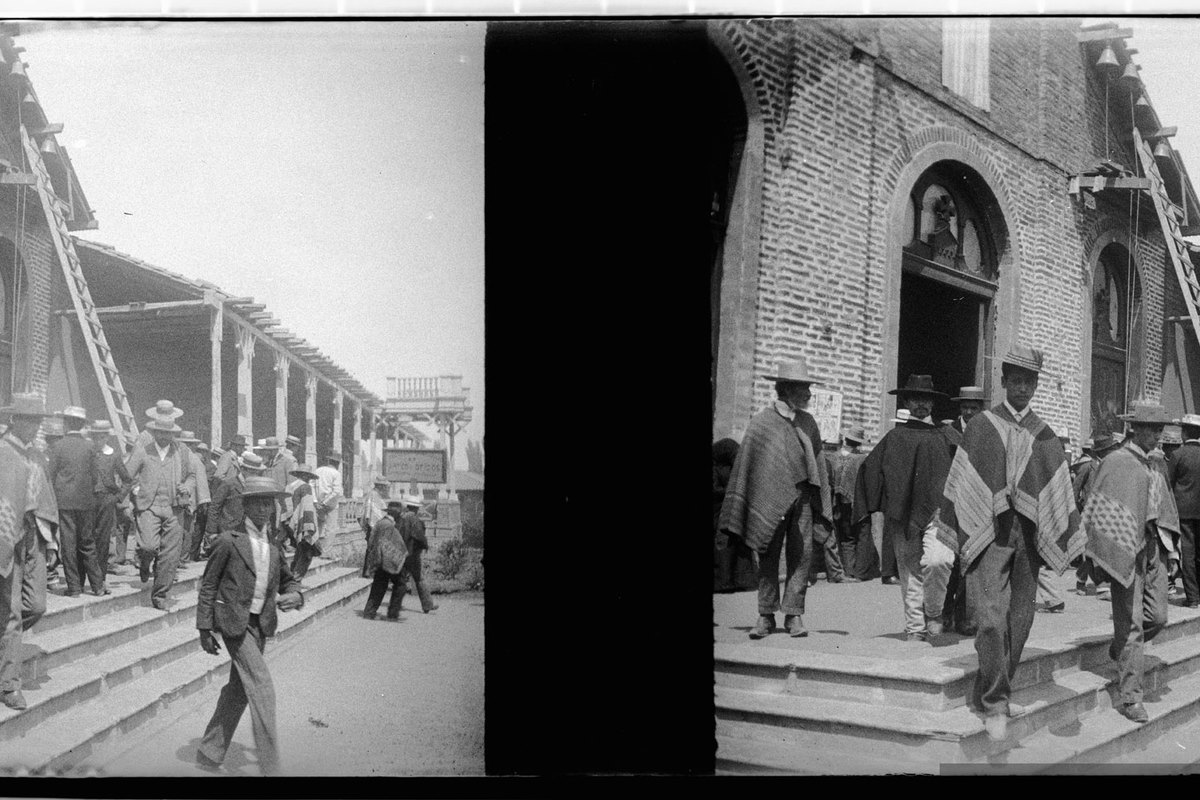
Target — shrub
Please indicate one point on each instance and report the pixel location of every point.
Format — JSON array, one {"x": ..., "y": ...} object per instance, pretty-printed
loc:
[{"x": 451, "y": 556}]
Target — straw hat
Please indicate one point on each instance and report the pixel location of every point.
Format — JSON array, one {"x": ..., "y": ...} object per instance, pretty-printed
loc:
[
  {"x": 794, "y": 371},
  {"x": 165, "y": 423},
  {"x": 1145, "y": 413},
  {"x": 305, "y": 472},
  {"x": 970, "y": 393},
  {"x": 262, "y": 486},
  {"x": 75, "y": 412},
  {"x": 1023, "y": 356},
  {"x": 164, "y": 408},
  {"x": 251, "y": 461},
  {"x": 188, "y": 436},
  {"x": 412, "y": 501},
  {"x": 856, "y": 434}
]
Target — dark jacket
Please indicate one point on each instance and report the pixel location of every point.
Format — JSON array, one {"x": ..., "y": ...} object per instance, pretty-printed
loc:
[
  {"x": 412, "y": 530},
  {"x": 72, "y": 469},
  {"x": 386, "y": 549},
  {"x": 227, "y": 588},
  {"x": 1183, "y": 473},
  {"x": 112, "y": 479},
  {"x": 225, "y": 511}
]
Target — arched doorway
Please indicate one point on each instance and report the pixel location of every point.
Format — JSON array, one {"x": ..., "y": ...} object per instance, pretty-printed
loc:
[
  {"x": 1117, "y": 336},
  {"x": 949, "y": 281}
]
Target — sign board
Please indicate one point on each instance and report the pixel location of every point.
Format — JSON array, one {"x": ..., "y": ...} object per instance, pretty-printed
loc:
[
  {"x": 826, "y": 407},
  {"x": 402, "y": 465}
]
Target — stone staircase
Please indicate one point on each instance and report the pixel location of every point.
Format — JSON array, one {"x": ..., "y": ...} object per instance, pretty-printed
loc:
[
  {"x": 98, "y": 667},
  {"x": 802, "y": 712}
]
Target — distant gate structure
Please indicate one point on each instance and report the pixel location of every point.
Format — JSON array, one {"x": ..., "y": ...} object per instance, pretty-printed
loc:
[{"x": 442, "y": 402}]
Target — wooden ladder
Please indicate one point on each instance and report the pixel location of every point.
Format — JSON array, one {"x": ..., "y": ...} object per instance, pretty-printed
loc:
[
  {"x": 107, "y": 375},
  {"x": 1168, "y": 216}
]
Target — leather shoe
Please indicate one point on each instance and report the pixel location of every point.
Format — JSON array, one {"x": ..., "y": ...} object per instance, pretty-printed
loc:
[
  {"x": 794, "y": 626},
  {"x": 1057, "y": 608},
  {"x": 433, "y": 607},
  {"x": 1016, "y": 709},
  {"x": 14, "y": 700},
  {"x": 764, "y": 626},
  {"x": 161, "y": 605},
  {"x": 144, "y": 570},
  {"x": 1134, "y": 711},
  {"x": 103, "y": 590},
  {"x": 891, "y": 581},
  {"x": 996, "y": 726},
  {"x": 934, "y": 627},
  {"x": 204, "y": 762},
  {"x": 917, "y": 636}
]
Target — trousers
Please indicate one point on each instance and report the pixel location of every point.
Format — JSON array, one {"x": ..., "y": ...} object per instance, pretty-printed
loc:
[
  {"x": 1138, "y": 613},
  {"x": 105, "y": 527},
  {"x": 412, "y": 568},
  {"x": 860, "y": 559},
  {"x": 160, "y": 539},
  {"x": 76, "y": 531},
  {"x": 304, "y": 556},
  {"x": 22, "y": 603},
  {"x": 795, "y": 531},
  {"x": 1188, "y": 529},
  {"x": 923, "y": 589},
  {"x": 1003, "y": 586},
  {"x": 379, "y": 587},
  {"x": 249, "y": 685}
]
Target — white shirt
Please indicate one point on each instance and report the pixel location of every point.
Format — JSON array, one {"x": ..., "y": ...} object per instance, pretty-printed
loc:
[
  {"x": 262, "y": 565},
  {"x": 328, "y": 491},
  {"x": 163, "y": 452},
  {"x": 785, "y": 411},
  {"x": 1017, "y": 415}
]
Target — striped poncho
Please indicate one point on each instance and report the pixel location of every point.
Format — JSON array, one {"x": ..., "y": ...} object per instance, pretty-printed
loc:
[
  {"x": 1128, "y": 493},
  {"x": 1003, "y": 464}
]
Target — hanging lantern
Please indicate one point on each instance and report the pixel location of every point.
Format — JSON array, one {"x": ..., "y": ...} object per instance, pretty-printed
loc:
[
  {"x": 1108, "y": 60},
  {"x": 1130, "y": 76},
  {"x": 1162, "y": 149}
]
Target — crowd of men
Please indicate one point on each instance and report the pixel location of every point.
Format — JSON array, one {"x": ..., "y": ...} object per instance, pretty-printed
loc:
[{"x": 977, "y": 515}]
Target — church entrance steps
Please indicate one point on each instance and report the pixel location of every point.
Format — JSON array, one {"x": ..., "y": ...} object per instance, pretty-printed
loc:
[{"x": 101, "y": 677}]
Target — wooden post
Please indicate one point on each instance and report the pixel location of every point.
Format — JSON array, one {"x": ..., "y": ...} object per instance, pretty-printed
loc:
[
  {"x": 245, "y": 376},
  {"x": 310, "y": 419},
  {"x": 357, "y": 459},
  {"x": 282, "y": 367},
  {"x": 216, "y": 334},
  {"x": 336, "y": 446},
  {"x": 372, "y": 467}
]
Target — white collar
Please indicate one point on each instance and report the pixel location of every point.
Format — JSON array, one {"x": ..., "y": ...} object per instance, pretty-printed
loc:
[
  {"x": 1189, "y": 441},
  {"x": 253, "y": 531},
  {"x": 785, "y": 411},
  {"x": 162, "y": 451},
  {"x": 1017, "y": 415}
]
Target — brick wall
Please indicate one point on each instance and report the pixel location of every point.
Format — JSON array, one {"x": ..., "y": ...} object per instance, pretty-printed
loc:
[{"x": 840, "y": 128}]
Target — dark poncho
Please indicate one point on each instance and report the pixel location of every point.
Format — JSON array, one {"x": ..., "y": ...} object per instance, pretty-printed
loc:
[{"x": 904, "y": 475}]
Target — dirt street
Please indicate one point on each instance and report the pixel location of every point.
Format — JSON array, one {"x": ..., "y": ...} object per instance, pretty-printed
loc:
[{"x": 354, "y": 697}]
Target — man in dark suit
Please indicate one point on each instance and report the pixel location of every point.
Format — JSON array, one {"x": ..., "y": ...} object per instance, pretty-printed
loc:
[
  {"x": 412, "y": 531},
  {"x": 1183, "y": 473},
  {"x": 245, "y": 579},
  {"x": 72, "y": 471}
]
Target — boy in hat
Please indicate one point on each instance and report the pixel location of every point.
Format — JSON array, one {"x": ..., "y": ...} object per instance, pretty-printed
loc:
[
  {"x": 24, "y": 537},
  {"x": 302, "y": 521},
  {"x": 412, "y": 531},
  {"x": 903, "y": 477},
  {"x": 112, "y": 486},
  {"x": 384, "y": 562},
  {"x": 164, "y": 482},
  {"x": 859, "y": 557},
  {"x": 72, "y": 470},
  {"x": 1183, "y": 474},
  {"x": 244, "y": 582},
  {"x": 1009, "y": 508},
  {"x": 970, "y": 402},
  {"x": 1130, "y": 518},
  {"x": 226, "y": 464},
  {"x": 777, "y": 492}
]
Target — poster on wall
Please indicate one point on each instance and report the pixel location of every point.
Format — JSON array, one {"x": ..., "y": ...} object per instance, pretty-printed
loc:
[
  {"x": 402, "y": 465},
  {"x": 826, "y": 407}
]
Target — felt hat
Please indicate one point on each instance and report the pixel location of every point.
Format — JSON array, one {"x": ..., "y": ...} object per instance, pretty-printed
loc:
[
  {"x": 164, "y": 408},
  {"x": 394, "y": 504},
  {"x": 239, "y": 439},
  {"x": 100, "y": 427},
  {"x": 262, "y": 486},
  {"x": 918, "y": 384},
  {"x": 1171, "y": 434},
  {"x": 252, "y": 461},
  {"x": 1023, "y": 356},
  {"x": 855, "y": 434},
  {"x": 1105, "y": 440},
  {"x": 218, "y": 451},
  {"x": 334, "y": 456},
  {"x": 970, "y": 393},
  {"x": 412, "y": 501},
  {"x": 165, "y": 423},
  {"x": 1146, "y": 413},
  {"x": 75, "y": 412},
  {"x": 1190, "y": 419},
  {"x": 26, "y": 405},
  {"x": 305, "y": 471},
  {"x": 293, "y": 440},
  {"x": 188, "y": 436},
  {"x": 794, "y": 371}
]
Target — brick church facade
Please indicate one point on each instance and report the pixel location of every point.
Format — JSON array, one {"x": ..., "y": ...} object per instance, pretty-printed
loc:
[{"x": 900, "y": 198}]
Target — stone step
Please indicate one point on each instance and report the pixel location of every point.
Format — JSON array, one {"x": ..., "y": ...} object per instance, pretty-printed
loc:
[
  {"x": 930, "y": 683},
  {"x": 60, "y": 743},
  {"x": 736, "y": 756},
  {"x": 930, "y": 737},
  {"x": 77, "y": 681},
  {"x": 128, "y": 592},
  {"x": 47, "y": 649}
]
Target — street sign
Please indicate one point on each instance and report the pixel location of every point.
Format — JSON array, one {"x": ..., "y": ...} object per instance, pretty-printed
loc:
[
  {"x": 826, "y": 406},
  {"x": 403, "y": 465}
]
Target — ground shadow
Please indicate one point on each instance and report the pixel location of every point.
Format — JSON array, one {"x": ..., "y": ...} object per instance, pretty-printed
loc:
[
  {"x": 835, "y": 633},
  {"x": 237, "y": 759}
]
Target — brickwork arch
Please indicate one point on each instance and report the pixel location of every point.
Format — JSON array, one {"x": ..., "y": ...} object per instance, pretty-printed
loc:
[
  {"x": 918, "y": 152},
  {"x": 734, "y": 389}
]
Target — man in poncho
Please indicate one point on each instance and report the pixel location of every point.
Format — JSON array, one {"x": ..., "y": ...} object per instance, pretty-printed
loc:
[
  {"x": 1009, "y": 507},
  {"x": 778, "y": 493},
  {"x": 384, "y": 564},
  {"x": 1131, "y": 519},
  {"x": 903, "y": 477},
  {"x": 303, "y": 519},
  {"x": 859, "y": 556}
]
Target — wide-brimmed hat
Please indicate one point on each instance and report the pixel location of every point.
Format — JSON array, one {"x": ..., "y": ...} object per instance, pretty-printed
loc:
[
  {"x": 395, "y": 504},
  {"x": 239, "y": 439},
  {"x": 918, "y": 384},
  {"x": 381, "y": 481},
  {"x": 188, "y": 436},
  {"x": 1105, "y": 440},
  {"x": 164, "y": 424},
  {"x": 75, "y": 412},
  {"x": 218, "y": 451},
  {"x": 413, "y": 501},
  {"x": 1146, "y": 413},
  {"x": 100, "y": 426},
  {"x": 306, "y": 471},
  {"x": 794, "y": 371},
  {"x": 1020, "y": 355},
  {"x": 269, "y": 443},
  {"x": 164, "y": 408},
  {"x": 333, "y": 456},
  {"x": 1171, "y": 434},
  {"x": 293, "y": 440},
  {"x": 262, "y": 486},
  {"x": 26, "y": 404},
  {"x": 1190, "y": 419},
  {"x": 970, "y": 393},
  {"x": 855, "y": 434},
  {"x": 251, "y": 460}
]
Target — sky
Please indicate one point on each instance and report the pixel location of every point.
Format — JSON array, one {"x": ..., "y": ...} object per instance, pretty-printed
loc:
[{"x": 331, "y": 170}]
